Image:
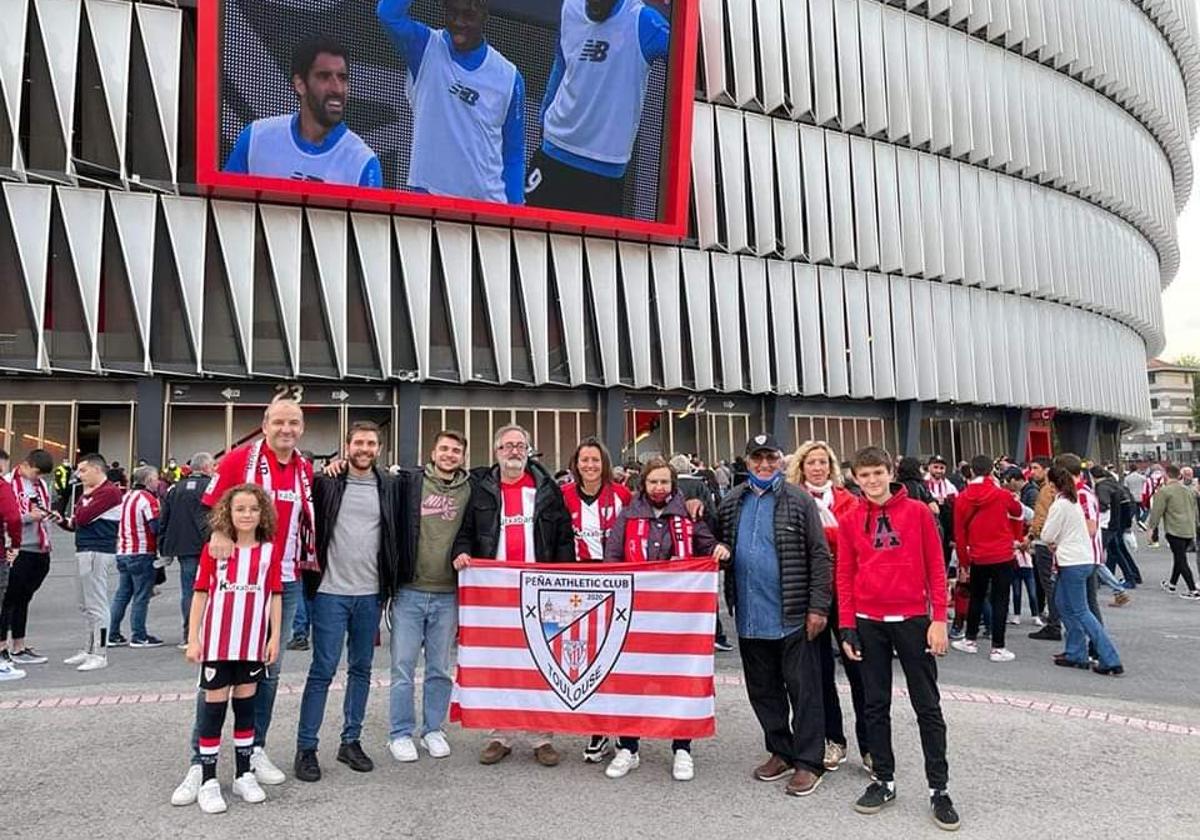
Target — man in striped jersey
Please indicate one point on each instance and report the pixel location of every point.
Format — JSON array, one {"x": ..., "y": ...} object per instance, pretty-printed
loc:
[
  {"x": 516, "y": 513},
  {"x": 944, "y": 493},
  {"x": 137, "y": 538}
]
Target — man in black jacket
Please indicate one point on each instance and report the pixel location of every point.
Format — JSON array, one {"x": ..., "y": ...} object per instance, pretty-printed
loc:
[
  {"x": 516, "y": 514},
  {"x": 779, "y": 585},
  {"x": 358, "y": 539},
  {"x": 183, "y": 528}
]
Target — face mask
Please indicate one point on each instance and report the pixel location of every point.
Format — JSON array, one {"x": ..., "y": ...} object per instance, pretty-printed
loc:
[
  {"x": 762, "y": 483},
  {"x": 659, "y": 497}
]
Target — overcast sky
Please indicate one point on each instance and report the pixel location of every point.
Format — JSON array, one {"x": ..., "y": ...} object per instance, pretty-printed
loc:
[{"x": 1181, "y": 301}]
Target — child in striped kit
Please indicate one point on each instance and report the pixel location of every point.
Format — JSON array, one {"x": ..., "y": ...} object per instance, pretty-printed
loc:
[{"x": 228, "y": 634}]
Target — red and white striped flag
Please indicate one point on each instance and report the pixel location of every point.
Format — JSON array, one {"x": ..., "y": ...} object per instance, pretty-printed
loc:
[{"x": 586, "y": 648}]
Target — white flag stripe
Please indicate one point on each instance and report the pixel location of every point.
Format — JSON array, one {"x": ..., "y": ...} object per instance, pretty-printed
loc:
[
  {"x": 642, "y": 622},
  {"x": 649, "y": 581},
  {"x": 524, "y": 700},
  {"x": 638, "y": 664}
]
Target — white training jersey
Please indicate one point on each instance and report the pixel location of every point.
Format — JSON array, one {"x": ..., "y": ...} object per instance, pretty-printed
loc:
[
  {"x": 598, "y": 106},
  {"x": 458, "y": 123},
  {"x": 273, "y": 153}
]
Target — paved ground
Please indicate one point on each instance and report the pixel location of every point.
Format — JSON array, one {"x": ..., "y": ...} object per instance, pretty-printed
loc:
[{"x": 1034, "y": 750}]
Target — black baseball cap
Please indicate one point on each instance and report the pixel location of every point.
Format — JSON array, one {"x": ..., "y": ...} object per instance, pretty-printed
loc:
[
  {"x": 937, "y": 459},
  {"x": 758, "y": 443},
  {"x": 1011, "y": 473}
]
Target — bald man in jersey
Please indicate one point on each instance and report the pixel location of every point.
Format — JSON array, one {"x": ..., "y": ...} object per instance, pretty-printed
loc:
[{"x": 593, "y": 104}]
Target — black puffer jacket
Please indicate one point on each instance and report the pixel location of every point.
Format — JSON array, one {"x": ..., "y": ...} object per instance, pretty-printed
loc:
[
  {"x": 479, "y": 536},
  {"x": 805, "y": 564},
  {"x": 327, "y": 501}
]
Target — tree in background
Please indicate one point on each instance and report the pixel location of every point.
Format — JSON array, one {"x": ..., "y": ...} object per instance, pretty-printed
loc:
[{"x": 1192, "y": 360}]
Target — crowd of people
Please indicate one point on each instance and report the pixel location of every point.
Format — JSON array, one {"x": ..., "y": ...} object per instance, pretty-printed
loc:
[{"x": 823, "y": 560}]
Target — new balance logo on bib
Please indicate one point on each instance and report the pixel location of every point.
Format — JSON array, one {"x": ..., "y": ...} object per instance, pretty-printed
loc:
[{"x": 594, "y": 50}]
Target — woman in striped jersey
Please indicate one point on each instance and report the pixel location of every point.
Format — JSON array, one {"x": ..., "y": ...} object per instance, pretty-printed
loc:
[{"x": 234, "y": 603}]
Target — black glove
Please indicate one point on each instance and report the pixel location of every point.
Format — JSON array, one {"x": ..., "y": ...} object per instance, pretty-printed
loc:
[{"x": 849, "y": 636}]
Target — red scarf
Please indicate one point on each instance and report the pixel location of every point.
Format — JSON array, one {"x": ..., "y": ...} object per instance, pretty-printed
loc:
[
  {"x": 24, "y": 502},
  {"x": 258, "y": 471},
  {"x": 637, "y": 531}
]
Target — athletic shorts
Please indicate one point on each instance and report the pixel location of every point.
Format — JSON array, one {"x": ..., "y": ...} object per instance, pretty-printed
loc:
[{"x": 222, "y": 674}]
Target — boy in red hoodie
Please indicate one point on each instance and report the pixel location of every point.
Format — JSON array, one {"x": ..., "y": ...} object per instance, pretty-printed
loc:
[
  {"x": 983, "y": 532},
  {"x": 891, "y": 588}
]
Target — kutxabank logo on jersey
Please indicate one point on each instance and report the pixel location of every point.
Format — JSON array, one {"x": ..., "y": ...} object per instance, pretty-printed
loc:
[{"x": 575, "y": 626}]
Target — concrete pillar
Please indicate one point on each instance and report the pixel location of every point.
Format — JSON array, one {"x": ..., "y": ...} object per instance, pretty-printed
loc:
[
  {"x": 612, "y": 420},
  {"x": 908, "y": 418},
  {"x": 408, "y": 416},
  {"x": 1018, "y": 433},
  {"x": 151, "y": 395}
]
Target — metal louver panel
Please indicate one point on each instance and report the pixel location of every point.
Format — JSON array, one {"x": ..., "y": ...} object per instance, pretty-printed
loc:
[
  {"x": 234, "y": 221},
  {"x": 134, "y": 215},
  {"x": 414, "y": 241},
  {"x": 281, "y": 225},
  {"x": 328, "y": 231},
  {"x": 495, "y": 260},
  {"x": 454, "y": 246}
]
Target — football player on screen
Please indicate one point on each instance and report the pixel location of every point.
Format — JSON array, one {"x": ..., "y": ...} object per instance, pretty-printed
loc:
[
  {"x": 468, "y": 104},
  {"x": 312, "y": 144},
  {"x": 593, "y": 103}
]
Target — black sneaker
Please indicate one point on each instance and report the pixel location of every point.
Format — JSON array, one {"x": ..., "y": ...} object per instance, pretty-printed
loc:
[
  {"x": 1047, "y": 634},
  {"x": 306, "y": 766},
  {"x": 28, "y": 656},
  {"x": 298, "y": 643},
  {"x": 6, "y": 657},
  {"x": 148, "y": 642},
  {"x": 876, "y": 797},
  {"x": 943, "y": 813},
  {"x": 1113, "y": 671},
  {"x": 352, "y": 754},
  {"x": 117, "y": 641},
  {"x": 598, "y": 747},
  {"x": 722, "y": 644}
]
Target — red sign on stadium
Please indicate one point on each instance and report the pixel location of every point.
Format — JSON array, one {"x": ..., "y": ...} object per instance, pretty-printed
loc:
[{"x": 551, "y": 114}]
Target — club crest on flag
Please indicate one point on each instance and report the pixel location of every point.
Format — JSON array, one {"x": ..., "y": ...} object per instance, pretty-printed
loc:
[{"x": 575, "y": 625}]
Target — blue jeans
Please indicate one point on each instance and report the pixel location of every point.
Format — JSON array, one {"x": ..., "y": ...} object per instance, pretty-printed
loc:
[
  {"x": 351, "y": 620},
  {"x": 303, "y": 620},
  {"x": 1071, "y": 591},
  {"x": 188, "y": 564},
  {"x": 428, "y": 619},
  {"x": 1118, "y": 555},
  {"x": 264, "y": 698},
  {"x": 1023, "y": 577},
  {"x": 1107, "y": 578},
  {"x": 133, "y": 591}
]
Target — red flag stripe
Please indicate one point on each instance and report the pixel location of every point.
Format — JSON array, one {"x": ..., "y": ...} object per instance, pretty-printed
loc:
[
  {"x": 694, "y": 644},
  {"x": 643, "y": 601},
  {"x": 583, "y": 724},
  {"x": 629, "y": 684}
]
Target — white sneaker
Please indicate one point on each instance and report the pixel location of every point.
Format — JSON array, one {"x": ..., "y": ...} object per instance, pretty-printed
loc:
[
  {"x": 622, "y": 763},
  {"x": 965, "y": 646},
  {"x": 684, "y": 768},
  {"x": 266, "y": 772},
  {"x": 94, "y": 662},
  {"x": 77, "y": 658},
  {"x": 210, "y": 799},
  {"x": 1014, "y": 620},
  {"x": 189, "y": 788},
  {"x": 1001, "y": 655},
  {"x": 9, "y": 672},
  {"x": 246, "y": 786},
  {"x": 435, "y": 744},
  {"x": 1038, "y": 621},
  {"x": 403, "y": 749}
]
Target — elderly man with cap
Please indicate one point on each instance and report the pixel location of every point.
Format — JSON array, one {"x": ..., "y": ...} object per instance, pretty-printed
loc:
[{"x": 778, "y": 583}]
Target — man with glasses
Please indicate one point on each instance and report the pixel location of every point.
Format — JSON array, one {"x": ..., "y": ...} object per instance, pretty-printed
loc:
[
  {"x": 516, "y": 514},
  {"x": 778, "y": 583}
]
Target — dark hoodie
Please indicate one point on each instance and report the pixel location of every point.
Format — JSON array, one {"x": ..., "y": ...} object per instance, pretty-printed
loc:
[
  {"x": 890, "y": 561},
  {"x": 660, "y": 542}
]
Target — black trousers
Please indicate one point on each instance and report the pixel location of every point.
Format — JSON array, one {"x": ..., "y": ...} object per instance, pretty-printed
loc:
[
  {"x": 1180, "y": 562},
  {"x": 999, "y": 576},
  {"x": 835, "y": 731},
  {"x": 1043, "y": 564},
  {"x": 783, "y": 681},
  {"x": 906, "y": 639},
  {"x": 553, "y": 184},
  {"x": 24, "y": 579}
]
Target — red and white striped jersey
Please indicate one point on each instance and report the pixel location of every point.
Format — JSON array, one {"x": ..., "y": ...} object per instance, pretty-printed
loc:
[
  {"x": 237, "y": 615},
  {"x": 516, "y": 520},
  {"x": 593, "y": 521},
  {"x": 940, "y": 488},
  {"x": 134, "y": 535},
  {"x": 1090, "y": 504}
]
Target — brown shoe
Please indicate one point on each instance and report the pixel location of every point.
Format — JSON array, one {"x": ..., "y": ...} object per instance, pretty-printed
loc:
[
  {"x": 494, "y": 753},
  {"x": 803, "y": 782},
  {"x": 546, "y": 755},
  {"x": 772, "y": 770},
  {"x": 1120, "y": 599}
]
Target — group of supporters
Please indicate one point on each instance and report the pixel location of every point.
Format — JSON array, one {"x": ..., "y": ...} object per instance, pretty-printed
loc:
[{"x": 468, "y": 109}]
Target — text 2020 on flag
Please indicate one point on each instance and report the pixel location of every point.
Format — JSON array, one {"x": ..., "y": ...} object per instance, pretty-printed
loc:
[{"x": 613, "y": 647}]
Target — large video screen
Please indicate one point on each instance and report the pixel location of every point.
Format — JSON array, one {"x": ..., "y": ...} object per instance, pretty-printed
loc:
[{"x": 561, "y": 112}]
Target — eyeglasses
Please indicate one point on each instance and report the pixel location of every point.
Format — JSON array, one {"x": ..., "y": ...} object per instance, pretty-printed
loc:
[
  {"x": 513, "y": 447},
  {"x": 769, "y": 457}
]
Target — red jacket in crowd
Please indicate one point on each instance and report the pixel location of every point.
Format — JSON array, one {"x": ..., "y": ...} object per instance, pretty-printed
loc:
[
  {"x": 890, "y": 562},
  {"x": 983, "y": 528},
  {"x": 10, "y": 517}
]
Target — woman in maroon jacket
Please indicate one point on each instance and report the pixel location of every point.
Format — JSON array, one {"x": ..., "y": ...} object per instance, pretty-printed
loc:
[{"x": 656, "y": 527}]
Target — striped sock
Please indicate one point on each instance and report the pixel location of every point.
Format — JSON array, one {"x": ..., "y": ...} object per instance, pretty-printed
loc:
[
  {"x": 212, "y": 720},
  {"x": 243, "y": 732}
]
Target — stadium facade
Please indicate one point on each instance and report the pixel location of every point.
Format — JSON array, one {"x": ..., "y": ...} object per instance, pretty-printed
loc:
[{"x": 939, "y": 225}]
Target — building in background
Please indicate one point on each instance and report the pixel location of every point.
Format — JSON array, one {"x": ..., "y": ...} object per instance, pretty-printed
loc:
[
  {"x": 1172, "y": 433},
  {"x": 943, "y": 227}
]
